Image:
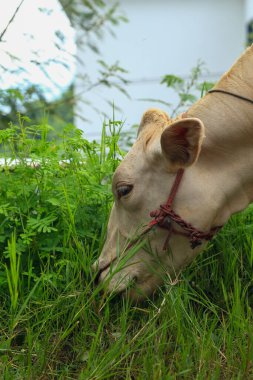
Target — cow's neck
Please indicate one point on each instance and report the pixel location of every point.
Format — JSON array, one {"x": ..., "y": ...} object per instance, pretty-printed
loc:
[{"x": 228, "y": 148}]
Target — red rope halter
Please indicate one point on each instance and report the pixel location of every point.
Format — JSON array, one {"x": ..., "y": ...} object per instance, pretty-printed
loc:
[{"x": 163, "y": 216}]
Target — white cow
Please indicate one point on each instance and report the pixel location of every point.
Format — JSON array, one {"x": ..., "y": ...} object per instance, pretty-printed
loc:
[{"x": 205, "y": 157}]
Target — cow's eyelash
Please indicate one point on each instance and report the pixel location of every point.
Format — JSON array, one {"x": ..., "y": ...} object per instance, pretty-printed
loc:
[{"x": 123, "y": 190}]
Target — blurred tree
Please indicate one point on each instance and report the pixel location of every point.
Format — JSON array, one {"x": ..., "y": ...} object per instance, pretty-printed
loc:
[
  {"x": 250, "y": 33},
  {"x": 32, "y": 102},
  {"x": 93, "y": 19}
]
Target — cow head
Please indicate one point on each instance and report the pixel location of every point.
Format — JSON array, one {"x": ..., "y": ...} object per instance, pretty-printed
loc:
[{"x": 141, "y": 183}]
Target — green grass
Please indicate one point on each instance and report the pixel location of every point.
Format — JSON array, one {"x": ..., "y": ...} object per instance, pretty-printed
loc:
[{"x": 54, "y": 324}]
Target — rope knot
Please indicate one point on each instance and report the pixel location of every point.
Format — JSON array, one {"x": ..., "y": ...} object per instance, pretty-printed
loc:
[
  {"x": 155, "y": 213},
  {"x": 195, "y": 241},
  {"x": 166, "y": 209},
  {"x": 165, "y": 215}
]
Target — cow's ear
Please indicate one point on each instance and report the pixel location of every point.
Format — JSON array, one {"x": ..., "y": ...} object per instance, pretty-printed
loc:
[
  {"x": 153, "y": 117},
  {"x": 181, "y": 142}
]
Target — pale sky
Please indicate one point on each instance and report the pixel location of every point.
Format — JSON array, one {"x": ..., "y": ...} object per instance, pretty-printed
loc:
[{"x": 32, "y": 37}]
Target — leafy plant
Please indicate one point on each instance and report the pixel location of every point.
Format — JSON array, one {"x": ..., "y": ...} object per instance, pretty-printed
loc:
[
  {"x": 187, "y": 89},
  {"x": 50, "y": 192}
]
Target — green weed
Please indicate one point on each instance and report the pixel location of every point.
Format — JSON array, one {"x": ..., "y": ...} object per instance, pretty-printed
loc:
[{"x": 54, "y": 323}]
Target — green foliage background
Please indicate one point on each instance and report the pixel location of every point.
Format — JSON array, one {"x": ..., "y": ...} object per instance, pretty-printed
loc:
[
  {"x": 54, "y": 201},
  {"x": 54, "y": 323},
  {"x": 33, "y": 102}
]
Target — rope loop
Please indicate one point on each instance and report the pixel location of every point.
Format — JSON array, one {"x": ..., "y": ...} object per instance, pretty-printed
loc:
[{"x": 165, "y": 215}]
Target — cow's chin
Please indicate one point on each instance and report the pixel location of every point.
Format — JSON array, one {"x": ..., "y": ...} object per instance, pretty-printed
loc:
[
  {"x": 129, "y": 285},
  {"x": 141, "y": 291}
]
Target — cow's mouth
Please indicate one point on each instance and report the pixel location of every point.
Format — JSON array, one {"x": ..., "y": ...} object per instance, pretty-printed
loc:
[
  {"x": 115, "y": 281},
  {"x": 123, "y": 285},
  {"x": 97, "y": 278}
]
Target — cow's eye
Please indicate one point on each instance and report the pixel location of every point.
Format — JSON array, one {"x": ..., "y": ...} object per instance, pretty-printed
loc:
[{"x": 123, "y": 190}]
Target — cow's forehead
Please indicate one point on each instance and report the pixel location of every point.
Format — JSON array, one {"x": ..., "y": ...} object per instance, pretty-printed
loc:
[
  {"x": 124, "y": 173},
  {"x": 135, "y": 158}
]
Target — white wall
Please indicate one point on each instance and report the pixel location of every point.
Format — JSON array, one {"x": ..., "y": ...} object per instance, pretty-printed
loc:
[
  {"x": 248, "y": 10},
  {"x": 163, "y": 37}
]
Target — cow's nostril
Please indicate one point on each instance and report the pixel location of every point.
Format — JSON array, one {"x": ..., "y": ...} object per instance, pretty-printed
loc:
[
  {"x": 95, "y": 271},
  {"x": 96, "y": 278},
  {"x": 99, "y": 270}
]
